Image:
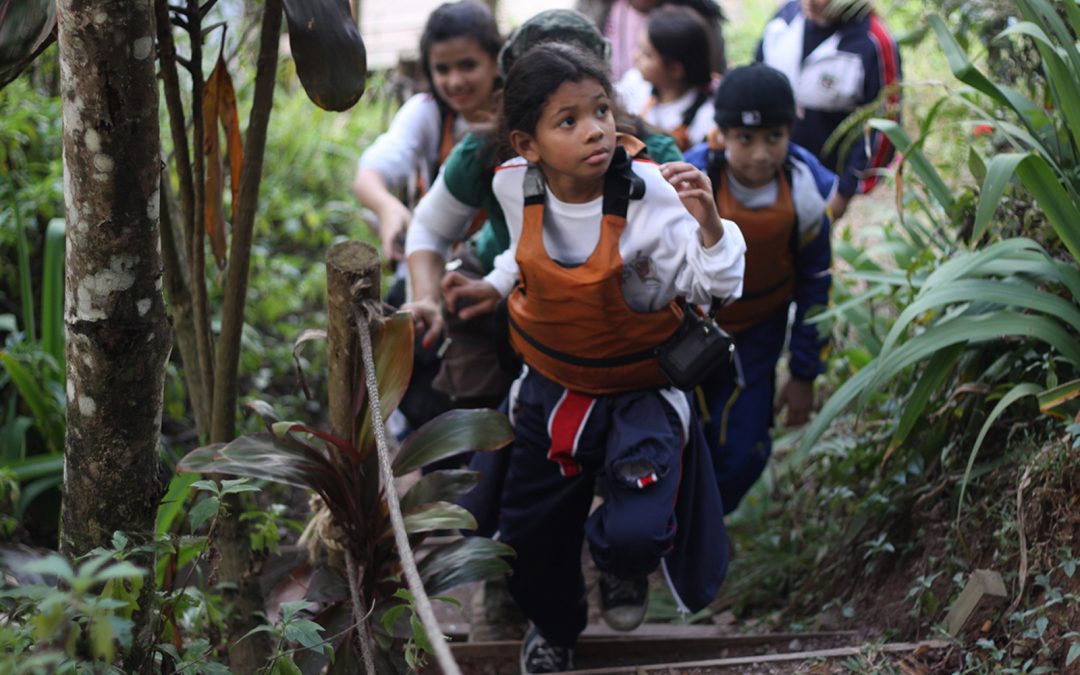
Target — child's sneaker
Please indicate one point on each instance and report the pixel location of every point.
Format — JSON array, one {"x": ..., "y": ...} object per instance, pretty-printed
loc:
[
  {"x": 540, "y": 656},
  {"x": 623, "y": 601}
]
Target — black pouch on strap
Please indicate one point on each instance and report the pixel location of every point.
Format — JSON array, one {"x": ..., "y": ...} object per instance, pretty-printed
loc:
[{"x": 698, "y": 349}]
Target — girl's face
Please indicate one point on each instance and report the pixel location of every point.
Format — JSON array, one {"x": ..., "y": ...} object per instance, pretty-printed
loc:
[
  {"x": 573, "y": 141},
  {"x": 756, "y": 155},
  {"x": 652, "y": 66},
  {"x": 464, "y": 75}
]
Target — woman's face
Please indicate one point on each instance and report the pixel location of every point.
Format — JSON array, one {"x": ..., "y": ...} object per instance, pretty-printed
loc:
[{"x": 463, "y": 75}]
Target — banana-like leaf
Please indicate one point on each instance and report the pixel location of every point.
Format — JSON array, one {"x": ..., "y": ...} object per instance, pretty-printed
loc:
[
  {"x": 961, "y": 330},
  {"x": 1017, "y": 392},
  {"x": 27, "y": 28},
  {"x": 1051, "y": 399},
  {"x": 462, "y": 562},
  {"x": 439, "y": 516},
  {"x": 439, "y": 486},
  {"x": 329, "y": 52},
  {"x": 452, "y": 433},
  {"x": 393, "y": 342}
]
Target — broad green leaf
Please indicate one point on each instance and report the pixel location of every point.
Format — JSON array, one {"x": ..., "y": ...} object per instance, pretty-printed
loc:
[
  {"x": 452, "y": 433},
  {"x": 54, "y": 565},
  {"x": 445, "y": 485},
  {"x": 203, "y": 510},
  {"x": 462, "y": 562},
  {"x": 439, "y": 516},
  {"x": 118, "y": 570},
  {"x": 101, "y": 639},
  {"x": 1061, "y": 79},
  {"x": 173, "y": 503},
  {"x": 306, "y": 632},
  {"x": 284, "y": 665},
  {"x": 1017, "y": 392},
  {"x": 998, "y": 174}
]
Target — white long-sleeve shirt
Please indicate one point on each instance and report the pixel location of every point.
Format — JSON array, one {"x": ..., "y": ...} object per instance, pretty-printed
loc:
[{"x": 661, "y": 248}]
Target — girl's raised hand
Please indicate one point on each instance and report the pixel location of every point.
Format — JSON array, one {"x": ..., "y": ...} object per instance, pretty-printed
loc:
[
  {"x": 696, "y": 192},
  {"x": 469, "y": 297}
]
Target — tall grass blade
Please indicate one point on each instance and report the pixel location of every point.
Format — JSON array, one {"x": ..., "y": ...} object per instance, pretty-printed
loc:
[
  {"x": 1017, "y": 392},
  {"x": 937, "y": 371},
  {"x": 33, "y": 392},
  {"x": 1001, "y": 170},
  {"x": 52, "y": 294},
  {"x": 26, "y": 288},
  {"x": 1051, "y": 399},
  {"x": 915, "y": 157},
  {"x": 1061, "y": 211}
]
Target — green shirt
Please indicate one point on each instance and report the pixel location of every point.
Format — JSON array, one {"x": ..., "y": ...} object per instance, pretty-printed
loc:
[{"x": 469, "y": 181}]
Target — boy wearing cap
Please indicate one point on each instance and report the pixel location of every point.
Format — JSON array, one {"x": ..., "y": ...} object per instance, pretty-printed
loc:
[{"x": 777, "y": 192}]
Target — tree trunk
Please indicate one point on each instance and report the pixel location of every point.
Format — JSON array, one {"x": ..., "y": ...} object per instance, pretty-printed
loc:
[{"x": 118, "y": 337}]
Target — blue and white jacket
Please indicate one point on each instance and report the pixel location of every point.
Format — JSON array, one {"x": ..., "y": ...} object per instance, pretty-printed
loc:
[
  {"x": 834, "y": 70},
  {"x": 812, "y": 186}
]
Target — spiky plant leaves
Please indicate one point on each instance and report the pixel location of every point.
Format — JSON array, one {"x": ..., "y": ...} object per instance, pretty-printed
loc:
[
  {"x": 462, "y": 562},
  {"x": 452, "y": 433},
  {"x": 999, "y": 174},
  {"x": 331, "y": 60},
  {"x": 439, "y": 516},
  {"x": 392, "y": 343},
  {"x": 446, "y": 485},
  {"x": 1053, "y": 401}
]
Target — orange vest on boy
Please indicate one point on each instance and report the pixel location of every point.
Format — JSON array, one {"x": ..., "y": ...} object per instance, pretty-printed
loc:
[
  {"x": 573, "y": 324},
  {"x": 769, "y": 281}
]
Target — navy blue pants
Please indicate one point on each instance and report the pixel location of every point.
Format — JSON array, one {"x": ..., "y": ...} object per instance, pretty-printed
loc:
[
  {"x": 563, "y": 442},
  {"x": 738, "y": 418}
]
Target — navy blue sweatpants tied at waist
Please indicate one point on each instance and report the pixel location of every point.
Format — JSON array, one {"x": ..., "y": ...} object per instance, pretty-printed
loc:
[
  {"x": 739, "y": 418},
  {"x": 656, "y": 507}
]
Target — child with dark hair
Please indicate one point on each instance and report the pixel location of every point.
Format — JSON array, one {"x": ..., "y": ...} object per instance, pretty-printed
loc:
[
  {"x": 777, "y": 192},
  {"x": 601, "y": 248},
  {"x": 669, "y": 85},
  {"x": 458, "y": 51},
  {"x": 839, "y": 57}
]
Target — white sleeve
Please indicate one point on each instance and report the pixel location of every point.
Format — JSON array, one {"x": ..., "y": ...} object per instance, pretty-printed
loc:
[
  {"x": 508, "y": 190},
  {"x": 411, "y": 142},
  {"x": 702, "y": 123},
  {"x": 633, "y": 91},
  {"x": 438, "y": 221},
  {"x": 665, "y": 252}
]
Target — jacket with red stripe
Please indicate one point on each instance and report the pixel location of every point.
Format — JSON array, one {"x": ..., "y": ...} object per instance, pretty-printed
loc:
[{"x": 835, "y": 70}]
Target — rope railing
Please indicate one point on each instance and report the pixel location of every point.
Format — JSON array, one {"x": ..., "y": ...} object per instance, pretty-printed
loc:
[{"x": 421, "y": 603}]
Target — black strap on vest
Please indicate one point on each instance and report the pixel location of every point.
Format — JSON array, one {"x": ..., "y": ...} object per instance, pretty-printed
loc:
[{"x": 691, "y": 111}]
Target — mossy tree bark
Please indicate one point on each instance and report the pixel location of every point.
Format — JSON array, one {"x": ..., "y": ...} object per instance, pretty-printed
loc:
[{"x": 118, "y": 336}]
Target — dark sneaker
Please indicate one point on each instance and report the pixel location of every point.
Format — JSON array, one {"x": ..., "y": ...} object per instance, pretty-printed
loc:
[
  {"x": 623, "y": 601},
  {"x": 540, "y": 656}
]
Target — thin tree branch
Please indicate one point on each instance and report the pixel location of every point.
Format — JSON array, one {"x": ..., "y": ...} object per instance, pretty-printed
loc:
[
  {"x": 207, "y": 7},
  {"x": 232, "y": 315}
]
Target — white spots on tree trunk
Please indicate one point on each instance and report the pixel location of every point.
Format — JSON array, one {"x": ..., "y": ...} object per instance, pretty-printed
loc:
[
  {"x": 100, "y": 17},
  {"x": 103, "y": 162},
  {"x": 70, "y": 391},
  {"x": 153, "y": 206},
  {"x": 92, "y": 140},
  {"x": 94, "y": 291},
  {"x": 141, "y": 48},
  {"x": 87, "y": 406},
  {"x": 144, "y": 306}
]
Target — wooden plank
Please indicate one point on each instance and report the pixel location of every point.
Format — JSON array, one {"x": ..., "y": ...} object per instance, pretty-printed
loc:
[
  {"x": 791, "y": 657},
  {"x": 983, "y": 589}
]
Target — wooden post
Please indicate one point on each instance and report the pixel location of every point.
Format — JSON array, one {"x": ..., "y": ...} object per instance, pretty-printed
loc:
[
  {"x": 352, "y": 276},
  {"x": 983, "y": 590}
]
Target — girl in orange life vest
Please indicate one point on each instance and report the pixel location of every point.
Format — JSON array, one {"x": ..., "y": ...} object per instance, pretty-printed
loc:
[
  {"x": 670, "y": 83},
  {"x": 600, "y": 247},
  {"x": 458, "y": 51}
]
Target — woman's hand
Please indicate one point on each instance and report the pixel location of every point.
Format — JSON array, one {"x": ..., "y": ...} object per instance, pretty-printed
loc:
[
  {"x": 696, "y": 193},
  {"x": 427, "y": 315},
  {"x": 467, "y": 297}
]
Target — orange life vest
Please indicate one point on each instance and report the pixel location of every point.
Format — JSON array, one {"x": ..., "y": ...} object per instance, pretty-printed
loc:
[
  {"x": 572, "y": 323},
  {"x": 770, "y": 253},
  {"x": 446, "y": 146}
]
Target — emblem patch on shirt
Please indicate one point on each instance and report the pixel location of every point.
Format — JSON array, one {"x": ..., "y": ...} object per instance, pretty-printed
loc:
[
  {"x": 641, "y": 267},
  {"x": 827, "y": 82}
]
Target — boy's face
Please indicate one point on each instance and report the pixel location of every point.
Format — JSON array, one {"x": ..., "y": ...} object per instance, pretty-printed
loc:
[
  {"x": 814, "y": 10},
  {"x": 756, "y": 155}
]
